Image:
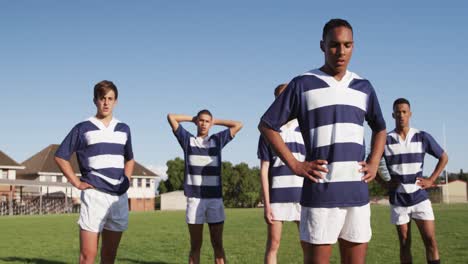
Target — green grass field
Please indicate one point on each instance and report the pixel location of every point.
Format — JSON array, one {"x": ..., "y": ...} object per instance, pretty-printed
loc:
[{"x": 162, "y": 237}]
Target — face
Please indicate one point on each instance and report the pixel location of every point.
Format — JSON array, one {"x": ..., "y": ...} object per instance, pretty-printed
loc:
[
  {"x": 402, "y": 115},
  {"x": 338, "y": 48},
  {"x": 105, "y": 104},
  {"x": 204, "y": 123}
]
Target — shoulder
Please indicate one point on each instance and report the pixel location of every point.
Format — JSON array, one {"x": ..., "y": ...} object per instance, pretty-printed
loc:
[
  {"x": 84, "y": 126},
  {"x": 311, "y": 79},
  {"x": 361, "y": 84},
  {"x": 121, "y": 126},
  {"x": 424, "y": 134}
]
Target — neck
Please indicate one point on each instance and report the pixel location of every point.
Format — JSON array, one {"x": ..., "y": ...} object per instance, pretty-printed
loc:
[
  {"x": 202, "y": 135},
  {"x": 337, "y": 75},
  {"x": 402, "y": 131},
  {"x": 104, "y": 119}
]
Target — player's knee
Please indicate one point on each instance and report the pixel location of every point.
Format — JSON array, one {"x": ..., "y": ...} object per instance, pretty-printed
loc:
[
  {"x": 273, "y": 244},
  {"x": 87, "y": 256},
  {"x": 430, "y": 243},
  {"x": 405, "y": 240},
  {"x": 196, "y": 246}
]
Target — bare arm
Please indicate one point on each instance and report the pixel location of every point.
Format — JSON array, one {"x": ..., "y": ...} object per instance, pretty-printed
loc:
[
  {"x": 377, "y": 148},
  {"x": 175, "y": 119},
  {"x": 234, "y": 126},
  {"x": 128, "y": 168},
  {"x": 264, "y": 166},
  {"x": 67, "y": 170},
  {"x": 428, "y": 182},
  {"x": 308, "y": 169}
]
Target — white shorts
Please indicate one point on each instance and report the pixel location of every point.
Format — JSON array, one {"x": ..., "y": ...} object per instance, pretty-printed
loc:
[
  {"x": 100, "y": 210},
  {"x": 204, "y": 210},
  {"x": 325, "y": 225},
  {"x": 401, "y": 214},
  {"x": 286, "y": 211}
]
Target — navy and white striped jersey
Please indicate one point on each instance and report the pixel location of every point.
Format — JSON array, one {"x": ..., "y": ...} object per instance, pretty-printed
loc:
[
  {"x": 331, "y": 115},
  {"x": 284, "y": 187},
  {"x": 203, "y": 162},
  {"x": 405, "y": 160},
  {"x": 101, "y": 151}
]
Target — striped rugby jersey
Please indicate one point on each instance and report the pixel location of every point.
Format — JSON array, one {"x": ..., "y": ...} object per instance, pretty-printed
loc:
[
  {"x": 285, "y": 187},
  {"x": 101, "y": 151},
  {"x": 405, "y": 160},
  {"x": 202, "y": 178},
  {"x": 331, "y": 115}
]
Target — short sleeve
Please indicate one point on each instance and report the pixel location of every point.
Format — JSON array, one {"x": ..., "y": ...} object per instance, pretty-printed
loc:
[
  {"x": 431, "y": 146},
  {"x": 374, "y": 115},
  {"x": 183, "y": 136},
  {"x": 263, "y": 151},
  {"x": 70, "y": 144},
  {"x": 285, "y": 108},
  {"x": 223, "y": 137},
  {"x": 128, "y": 150}
]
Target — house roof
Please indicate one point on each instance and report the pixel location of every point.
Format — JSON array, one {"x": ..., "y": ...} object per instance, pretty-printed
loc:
[
  {"x": 6, "y": 161},
  {"x": 44, "y": 162}
]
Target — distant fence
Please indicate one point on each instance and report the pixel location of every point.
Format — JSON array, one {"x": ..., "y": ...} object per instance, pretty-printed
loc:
[
  {"x": 21, "y": 197},
  {"x": 36, "y": 205}
]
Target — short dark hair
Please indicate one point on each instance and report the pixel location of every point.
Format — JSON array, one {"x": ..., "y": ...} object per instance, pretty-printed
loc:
[
  {"x": 401, "y": 101},
  {"x": 204, "y": 112},
  {"x": 334, "y": 23},
  {"x": 103, "y": 87},
  {"x": 280, "y": 88}
]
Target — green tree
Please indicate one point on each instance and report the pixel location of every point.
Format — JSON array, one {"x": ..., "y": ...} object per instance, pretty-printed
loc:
[
  {"x": 241, "y": 185},
  {"x": 175, "y": 176}
]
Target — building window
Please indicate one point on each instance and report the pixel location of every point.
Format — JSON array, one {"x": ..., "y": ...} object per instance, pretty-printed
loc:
[
  {"x": 59, "y": 178},
  {"x": 148, "y": 183},
  {"x": 140, "y": 183},
  {"x": 131, "y": 182},
  {"x": 3, "y": 174}
]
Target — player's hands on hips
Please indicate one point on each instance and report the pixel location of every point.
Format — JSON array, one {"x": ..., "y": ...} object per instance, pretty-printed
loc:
[
  {"x": 268, "y": 214},
  {"x": 424, "y": 183},
  {"x": 84, "y": 185},
  {"x": 311, "y": 169},
  {"x": 369, "y": 170}
]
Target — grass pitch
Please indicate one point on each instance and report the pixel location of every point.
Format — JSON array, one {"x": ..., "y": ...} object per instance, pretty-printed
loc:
[{"x": 162, "y": 237}]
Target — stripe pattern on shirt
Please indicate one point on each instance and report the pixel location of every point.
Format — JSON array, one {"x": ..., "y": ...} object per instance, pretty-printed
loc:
[
  {"x": 405, "y": 160},
  {"x": 202, "y": 163},
  {"x": 331, "y": 116},
  {"x": 102, "y": 152},
  {"x": 285, "y": 187}
]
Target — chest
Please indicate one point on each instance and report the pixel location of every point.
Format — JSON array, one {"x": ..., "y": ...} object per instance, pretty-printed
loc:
[{"x": 105, "y": 136}]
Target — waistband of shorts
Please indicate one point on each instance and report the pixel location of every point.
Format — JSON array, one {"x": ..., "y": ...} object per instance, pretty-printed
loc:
[{"x": 107, "y": 192}]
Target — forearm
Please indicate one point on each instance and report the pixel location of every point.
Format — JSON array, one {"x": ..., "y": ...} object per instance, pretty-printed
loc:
[
  {"x": 128, "y": 168},
  {"x": 275, "y": 140},
  {"x": 234, "y": 126},
  {"x": 443, "y": 160},
  {"x": 67, "y": 170},
  {"x": 264, "y": 182},
  {"x": 175, "y": 119}
]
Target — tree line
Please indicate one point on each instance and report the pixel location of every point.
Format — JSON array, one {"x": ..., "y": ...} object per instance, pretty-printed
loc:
[{"x": 241, "y": 183}]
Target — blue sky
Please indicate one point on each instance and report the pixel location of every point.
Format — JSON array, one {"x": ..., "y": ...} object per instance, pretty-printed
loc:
[{"x": 174, "y": 56}]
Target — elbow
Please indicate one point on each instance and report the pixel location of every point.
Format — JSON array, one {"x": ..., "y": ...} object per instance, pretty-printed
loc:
[
  {"x": 445, "y": 157},
  {"x": 239, "y": 125},
  {"x": 169, "y": 117}
]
